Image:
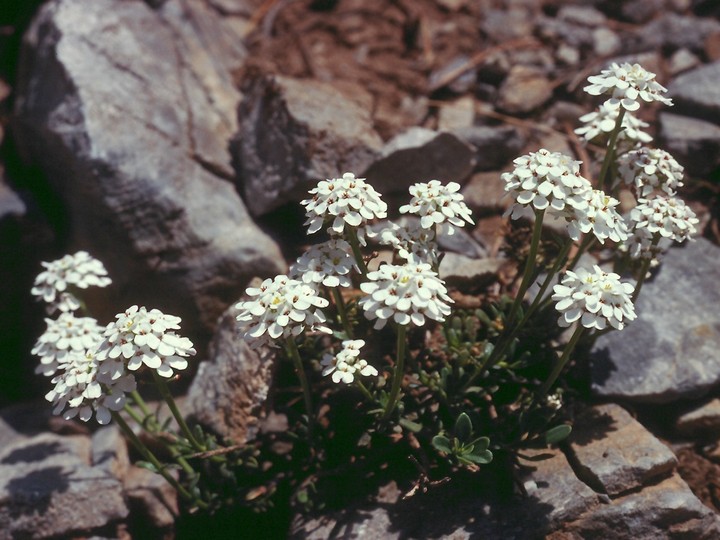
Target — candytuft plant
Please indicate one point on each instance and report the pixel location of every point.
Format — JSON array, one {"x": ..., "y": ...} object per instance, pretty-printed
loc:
[{"x": 382, "y": 363}]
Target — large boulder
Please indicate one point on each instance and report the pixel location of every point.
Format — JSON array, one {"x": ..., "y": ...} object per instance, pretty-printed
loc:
[
  {"x": 128, "y": 111},
  {"x": 671, "y": 351},
  {"x": 697, "y": 92}
]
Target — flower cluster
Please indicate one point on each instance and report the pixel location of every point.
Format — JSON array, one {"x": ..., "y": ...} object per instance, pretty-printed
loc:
[
  {"x": 595, "y": 298},
  {"x": 667, "y": 217},
  {"x": 626, "y": 83},
  {"x": 66, "y": 339},
  {"x": 411, "y": 241},
  {"x": 329, "y": 263},
  {"x": 599, "y": 217},
  {"x": 347, "y": 362},
  {"x": 545, "y": 180},
  {"x": 80, "y": 389},
  {"x": 407, "y": 294},
  {"x": 340, "y": 201},
  {"x": 79, "y": 271},
  {"x": 648, "y": 169},
  {"x": 438, "y": 204},
  {"x": 280, "y": 308},
  {"x": 602, "y": 122},
  {"x": 139, "y": 337}
]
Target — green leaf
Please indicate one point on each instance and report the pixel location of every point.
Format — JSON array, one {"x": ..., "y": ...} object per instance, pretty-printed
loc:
[
  {"x": 557, "y": 434},
  {"x": 147, "y": 465},
  {"x": 463, "y": 427},
  {"x": 442, "y": 444},
  {"x": 480, "y": 445},
  {"x": 340, "y": 335},
  {"x": 481, "y": 458},
  {"x": 410, "y": 425}
]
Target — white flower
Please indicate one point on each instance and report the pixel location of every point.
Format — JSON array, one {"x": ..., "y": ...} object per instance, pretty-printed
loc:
[
  {"x": 340, "y": 201},
  {"x": 554, "y": 401},
  {"x": 626, "y": 83},
  {"x": 411, "y": 241},
  {"x": 140, "y": 337},
  {"x": 346, "y": 363},
  {"x": 667, "y": 216},
  {"x": 595, "y": 298},
  {"x": 545, "y": 180},
  {"x": 280, "y": 308},
  {"x": 80, "y": 389},
  {"x": 647, "y": 169},
  {"x": 407, "y": 294},
  {"x": 438, "y": 204},
  {"x": 602, "y": 122},
  {"x": 64, "y": 340},
  {"x": 641, "y": 244},
  {"x": 79, "y": 270},
  {"x": 599, "y": 217},
  {"x": 329, "y": 263}
]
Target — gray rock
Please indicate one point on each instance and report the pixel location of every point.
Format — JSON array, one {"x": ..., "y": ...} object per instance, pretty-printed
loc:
[
  {"x": 420, "y": 155},
  {"x": 703, "y": 420},
  {"x": 583, "y": 15},
  {"x": 294, "y": 132},
  {"x": 10, "y": 202},
  {"x": 110, "y": 452},
  {"x": 486, "y": 191},
  {"x": 682, "y": 60},
  {"x": 641, "y": 11},
  {"x": 459, "y": 269},
  {"x": 494, "y": 146},
  {"x": 675, "y": 31},
  {"x": 606, "y": 42},
  {"x": 231, "y": 387},
  {"x": 615, "y": 453},
  {"x": 697, "y": 92},
  {"x": 671, "y": 351},
  {"x": 152, "y": 499},
  {"x": 505, "y": 24},
  {"x": 694, "y": 143},
  {"x": 145, "y": 181},
  {"x": 47, "y": 489},
  {"x": 524, "y": 90},
  {"x": 667, "y": 510},
  {"x": 460, "y": 84},
  {"x": 457, "y": 114}
]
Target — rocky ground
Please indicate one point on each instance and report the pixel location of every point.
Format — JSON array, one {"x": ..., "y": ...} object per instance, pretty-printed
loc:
[{"x": 173, "y": 140}]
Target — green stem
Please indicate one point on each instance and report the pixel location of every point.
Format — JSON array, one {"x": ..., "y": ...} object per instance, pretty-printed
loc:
[
  {"x": 561, "y": 363},
  {"x": 342, "y": 312},
  {"x": 150, "y": 457},
  {"x": 645, "y": 268},
  {"x": 529, "y": 267},
  {"x": 292, "y": 351},
  {"x": 364, "y": 390},
  {"x": 610, "y": 152},
  {"x": 167, "y": 396},
  {"x": 355, "y": 245},
  {"x": 397, "y": 374}
]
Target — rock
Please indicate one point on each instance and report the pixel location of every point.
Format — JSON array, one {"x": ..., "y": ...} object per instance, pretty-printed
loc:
[
  {"x": 395, "y": 113},
  {"x": 420, "y": 155},
  {"x": 697, "y": 92},
  {"x": 231, "y": 387},
  {"x": 641, "y": 11},
  {"x": 694, "y": 143},
  {"x": 152, "y": 500},
  {"x": 146, "y": 182},
  {"x": 712, "y": 47},
  {"x": 486, "y": 192},
  {"x": 700, "y": 421},
  {"x": 494, "y": 146},
  {"x": 662, "y": 511},
  {"x": 615, "y": 453},
  {"x": 670, "y": 351},
  {"x": 675, "y": 31},
  {"x": 47, "y": 489},
  {"x": 457, "y": 114},
  {"x": 460, "y": 84},
  {"x": 582, "y": 15},
  {"x": 505, "y": 24},
  {"x": 110, "y": 452},
  {"x": 295, "y": 132},
  {"x": 11, "y": 205},
  {"x": 524, "y": 90},
  {"x": 606, "y": 42},
  {"x": 567, "y": 54},
  {"x": 466, "y": 510},
  {"x": 682, "y": 60},
  {"x": 458, "y": 269}
]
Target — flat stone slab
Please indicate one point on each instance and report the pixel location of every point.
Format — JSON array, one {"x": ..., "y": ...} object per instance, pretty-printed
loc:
[
  {"x": 672, "y": 350},
  {"x": 48, "y": 489},
  {"x": 697, "y": 92},
  {"x": 702, "y": 420},
  {"x": 662, "y": 511},
  {"x": 615, "y": 453}
]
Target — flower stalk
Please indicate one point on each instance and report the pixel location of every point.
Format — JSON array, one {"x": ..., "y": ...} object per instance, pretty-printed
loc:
[
  {"x": 610, "y": 152},
  {"x": 562, "y": 362},
  {"x": 292, "y": 351},
  {"x": 398, "y": 372}
]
